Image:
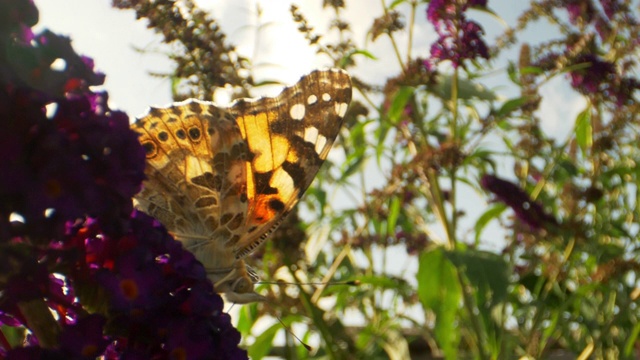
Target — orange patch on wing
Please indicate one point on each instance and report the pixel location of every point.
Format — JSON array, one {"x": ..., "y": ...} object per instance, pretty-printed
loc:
[{"x": 263, "y": 211}]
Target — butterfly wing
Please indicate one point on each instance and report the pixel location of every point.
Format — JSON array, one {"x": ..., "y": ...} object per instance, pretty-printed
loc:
[
  {"x": 222, "y": 179},
  {"x": 195, "y": 177},
  {"x": 288, "y": 138},
  {"x": 196, "y": 187}
]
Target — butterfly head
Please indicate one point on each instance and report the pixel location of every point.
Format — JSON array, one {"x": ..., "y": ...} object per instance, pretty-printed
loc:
[{"x": 236, "y": 284}]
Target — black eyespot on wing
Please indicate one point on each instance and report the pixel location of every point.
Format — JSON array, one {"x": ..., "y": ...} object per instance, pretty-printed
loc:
[
  {"x": 276, "y": 205},
  {"x": 149, "y": 148},
  {"x": 180, "y": 134},
  {"x": 163, "y": 136},
  {"x": 194, "y": 133}
]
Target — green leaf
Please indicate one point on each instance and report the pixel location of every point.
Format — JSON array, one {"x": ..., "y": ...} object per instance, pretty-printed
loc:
[
  {"x": 264, "y": 342},
  {"x": 510, "y": 106},
  {"x": 357, "y": 133},
  {"x": 630, "y": 346},
  {"x": 486, "y": 271},
  {"x": 480, "y": 158},
  {"x": 565, "y": 170},
  {"x": 491, "y": 213},
  {"x": 575, "y": 67},
  {"x": 267, "y": 83},
  {"x": 15, "y": 336},
  {"x": 584, "y": 131},
  {"x": 246, "y": 318},
  {"x": 399, "y": 103},
  {"x": 381, "y": 135},
  {"x": 175, "y": 84},
  {"x": 346, "y": 60},
  {"x": 353, "y": 164},
  {"x": 440, "y": 291},
  {"x": 379, "y": 227},
  {"x": 609, "y": 252},
  {"x": 364, "y": 53},
  {"x": 372, "y": 284},
  {"x": 467, "y": 89},
  {"x": 331, "y": 332},
  {"x": 486, "y": 10},
  {"x": 533, "y": 70},
  {"x": 396, "y": 3},
  {"x": 512, "y": 72},
  {"x": 383, "y": 282},
  {"x": 394, "y": 213},
  {"x": 316, "y": 196}
]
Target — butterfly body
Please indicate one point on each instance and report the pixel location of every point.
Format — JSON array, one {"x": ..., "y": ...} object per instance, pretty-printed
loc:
[{"x": 222, "y": 179}]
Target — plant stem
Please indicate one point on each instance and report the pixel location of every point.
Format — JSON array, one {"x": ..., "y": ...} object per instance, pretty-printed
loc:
[
  {"x": 456, "y": 143},
  {"x": 40, "y": 322},
  {"x": 474, "y": 318}
]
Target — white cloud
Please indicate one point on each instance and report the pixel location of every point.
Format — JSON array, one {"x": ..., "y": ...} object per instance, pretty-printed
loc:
[{"x": 559, "y": 108}]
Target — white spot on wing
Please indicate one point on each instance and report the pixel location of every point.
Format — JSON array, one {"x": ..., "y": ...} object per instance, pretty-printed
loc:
[
  {"x": 341, "y": 109},
  {"x": 326, "y": 97},
  {"x": 311, "y": 134},
  {"x": 312, "y": 99},
  {"x": 321, "y": 142},
  {"x": 297, "y": 112},
  {"x": 282, "y": 181},
  {"x": 194, "y": 167}
]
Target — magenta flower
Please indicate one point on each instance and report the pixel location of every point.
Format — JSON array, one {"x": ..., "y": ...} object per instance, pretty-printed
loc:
[
  {"x": 527, "y": 210},
  {"x": 459, "y": 38},
  {"x": 85, "y": 338},
  {"x": 79, "y": 249},
  {"x": 581, "y": 10},
  {"x": 601, "y": 78}
]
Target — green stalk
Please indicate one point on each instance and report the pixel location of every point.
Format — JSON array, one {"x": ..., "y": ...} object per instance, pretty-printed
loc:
[{"x": 40, "y": 322}]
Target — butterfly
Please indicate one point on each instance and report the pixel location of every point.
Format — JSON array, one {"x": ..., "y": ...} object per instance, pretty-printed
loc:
[{"x": 221, "y": 179}]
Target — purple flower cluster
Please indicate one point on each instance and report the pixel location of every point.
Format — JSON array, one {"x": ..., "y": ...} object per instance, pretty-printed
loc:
[
  {"x": 595, "y": 76},
  {"x": 585, "y": 12},
  {"x": 82, "y": 340},
  {"x": 600, "y": 77},
  {"x": 527, "y": 210},
  {"x": 459, "y": 39},
  {"x": 112, "y": 281}
]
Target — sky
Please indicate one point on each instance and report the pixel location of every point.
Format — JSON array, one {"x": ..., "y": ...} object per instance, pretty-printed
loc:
[
  {"x": 110, "y": 37},
  {"x": 127, "y": 52},
  {"x": 264, "y": 33}
]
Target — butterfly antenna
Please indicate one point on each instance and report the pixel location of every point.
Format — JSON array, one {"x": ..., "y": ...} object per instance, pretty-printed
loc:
[
  {"x": 347, "y": 283},
  {"x": 306, "y": 346},
  {"x": 287, "y": 328},
  {"x": 281, "y": 283}
]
